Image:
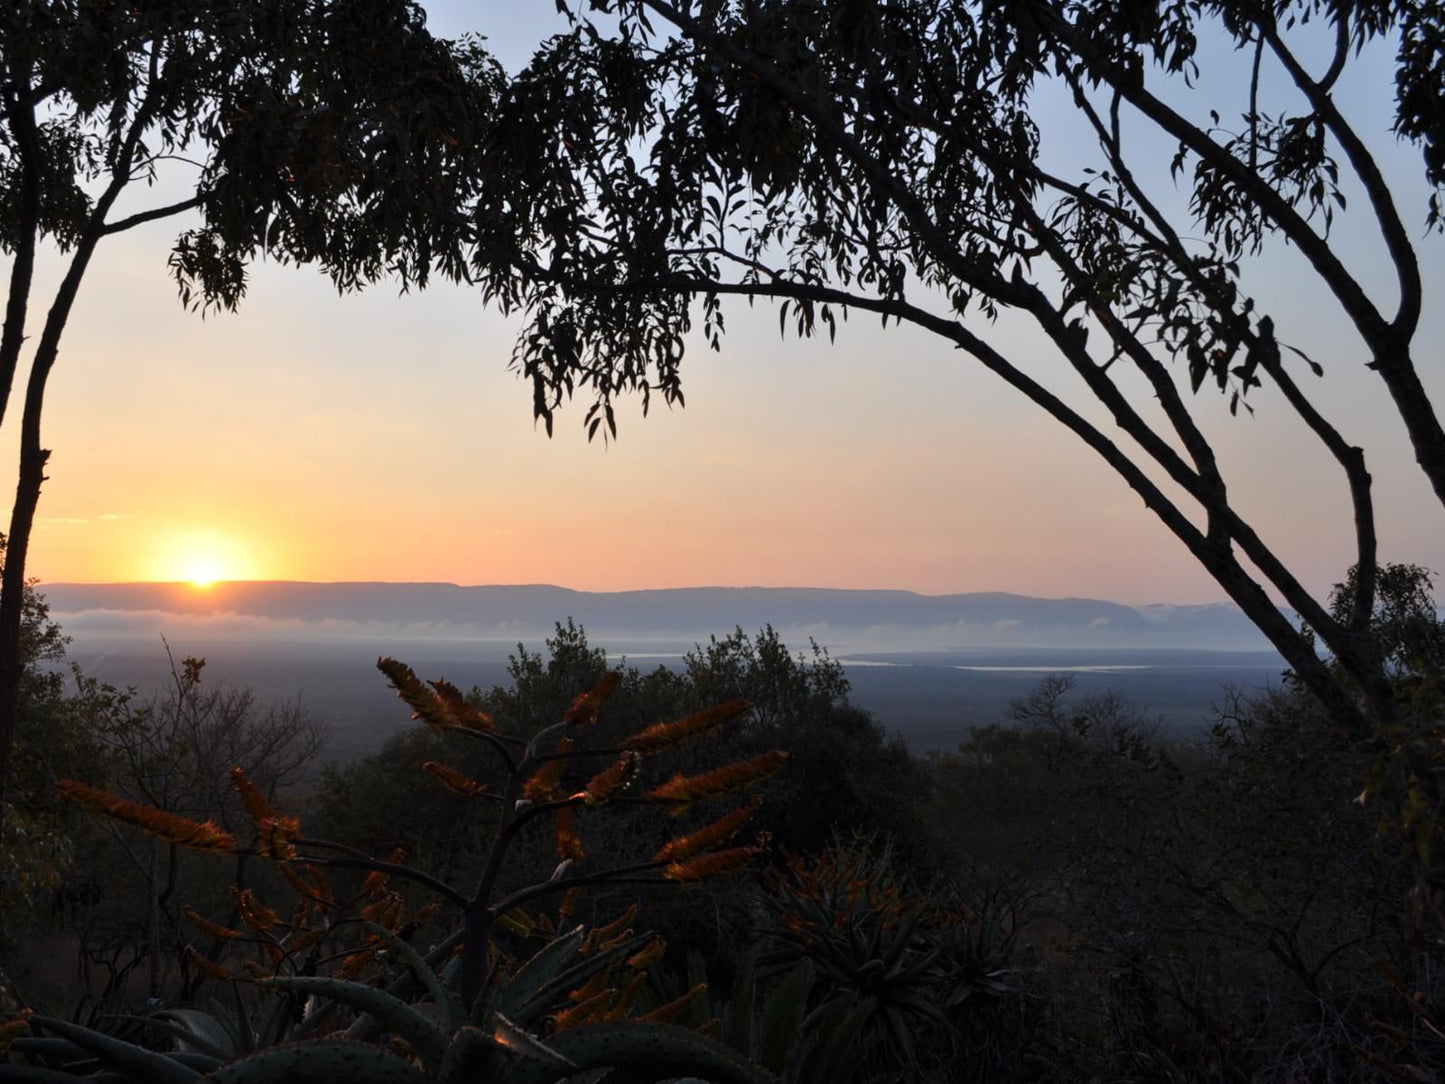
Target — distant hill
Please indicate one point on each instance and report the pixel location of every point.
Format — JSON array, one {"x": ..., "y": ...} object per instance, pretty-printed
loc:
[{"x": 842, "y": 619}]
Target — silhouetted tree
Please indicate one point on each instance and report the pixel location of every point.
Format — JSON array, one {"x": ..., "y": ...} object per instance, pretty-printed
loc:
[
  {"x": 891, "y": 158},
  {"x": 340, "y": 135}
]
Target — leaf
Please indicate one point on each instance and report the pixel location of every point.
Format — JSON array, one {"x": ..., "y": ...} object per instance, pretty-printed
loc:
[
  {"x": 454, "y": 1015},
  {"x": 641, "y": 1052},
  {"x": 1315, "y": 367},
  {"x": 351, "y": 1062},
  {"x": 541, "y": 969},
  {"x": 510, "y": 1037},
  {"x": 783, "y": 1016},
  {"x": 393, "y": 1013},
  {"x": 120, "y": 1055}
]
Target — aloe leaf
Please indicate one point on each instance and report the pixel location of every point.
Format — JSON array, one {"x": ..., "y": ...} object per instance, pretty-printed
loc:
[
  {"x": 35, "y": 1074},
  {"x": 783, "y": 1016},
  {"x": 645, "y": 1053},
  {"x": 201, "y": 1063},
  {"x": 745, "y": 991},
  {"x": 117, "y": 1054},
  {"x": 46, "y": 1047},
  {"x": 830, "y": 1053},
  {"x": 179, "y": 1031},
  {"x": 518, "y": 1040},
  {"x": 467, "y": 1057},
  {"x": 572, "y": 977},
  {"x": 541, "y": 968},
  {"x": 401, "y": 1018},
  {"x": 218, "y": 1029},
  {"x": 402, "y": 986},
  {"x": 353, "y": 1063},
  {"x": 450, "y": 1005}
]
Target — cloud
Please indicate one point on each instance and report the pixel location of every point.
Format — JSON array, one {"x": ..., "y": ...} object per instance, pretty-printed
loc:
[
  {"x": 65, "y": 521},
  {"x": 1099, "y": 623},
  {"x": 109, "y": 516},
  {"x": 105, "y": 624}
]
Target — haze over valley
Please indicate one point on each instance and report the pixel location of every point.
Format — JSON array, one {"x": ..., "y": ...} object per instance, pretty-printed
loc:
[{"x": 927, "y": 666}]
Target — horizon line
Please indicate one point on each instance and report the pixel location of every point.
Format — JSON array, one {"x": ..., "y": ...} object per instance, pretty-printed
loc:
[{"x": 202, "y": 589}]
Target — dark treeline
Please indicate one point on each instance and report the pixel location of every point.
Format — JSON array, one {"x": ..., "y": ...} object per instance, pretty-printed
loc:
[{"x": 1070, "y": 895}]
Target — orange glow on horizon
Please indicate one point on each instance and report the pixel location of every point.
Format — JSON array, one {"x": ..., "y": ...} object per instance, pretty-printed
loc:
[{"x": 201, "y": 557}]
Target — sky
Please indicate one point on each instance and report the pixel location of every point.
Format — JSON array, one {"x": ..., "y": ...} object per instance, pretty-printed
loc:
[{"x": 382, "y": 437}]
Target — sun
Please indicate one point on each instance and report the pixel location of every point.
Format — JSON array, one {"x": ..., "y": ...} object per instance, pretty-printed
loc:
[
  {"x": 203, "y": 572},
  {"x": 201, "y": 557}
]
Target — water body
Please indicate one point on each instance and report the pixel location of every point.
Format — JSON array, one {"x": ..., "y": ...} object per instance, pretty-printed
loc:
[{"x": 932, "y": 698}]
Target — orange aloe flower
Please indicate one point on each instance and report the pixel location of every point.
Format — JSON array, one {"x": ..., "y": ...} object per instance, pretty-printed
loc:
[
  {"x": 663, "y": 1013},
  {"x": 463, "y": 713},
  {"x": 582, "y": 1011},
  {"x": 648, "y": 956},
  {"x": 611, "y": 930},
  {"x": 277, "y": 832},
  {"x": 681, "y": 791},
  {"x": 454, "y": 780},
  {"x": 375, "y": 884},
  {"x": 425, "y": 704},
  {"x": 422, "y": 913},
  {"x": 296, "y": 881},
  {"x": 569, "y": 902},
  {"x": 254, "y": 913},
  {"x": 209, "y": 928},
  {"x": 256, "y": 805},
  {"x": 205, "y": 966},
  {"x": 629, "y": 995},
  {"x": 613, "y": 780},
  {"x": 569, "y": 844},
  {"x": 386, "y": 911},
  {"x": 591, "y": 987},
  {"x": 666, "y": 735},
  {"x": 542, "y": 786},
  {"x": 198, "y": 835},
  {"x": 12, "y": 1029},
  {"x": 585, "y": 708},
  {"x": 353, "y": 964},
  {"x": 304, "y": 939},
  {"x": 518, "y": 922},
  {"x": 712, "y": 865},
  {"x": 324, "y": 895},
  {"x": 713, "y": 835}
]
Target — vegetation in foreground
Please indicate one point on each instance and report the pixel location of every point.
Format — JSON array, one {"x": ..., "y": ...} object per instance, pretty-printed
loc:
[{"x": 563, "y": 879}]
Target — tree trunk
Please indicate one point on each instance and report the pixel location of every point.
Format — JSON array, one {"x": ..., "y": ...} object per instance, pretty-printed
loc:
[{"x": 27, "y": 493}]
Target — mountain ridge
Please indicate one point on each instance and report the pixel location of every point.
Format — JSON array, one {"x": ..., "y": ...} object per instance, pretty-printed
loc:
[{"x": 876, "y": 616}]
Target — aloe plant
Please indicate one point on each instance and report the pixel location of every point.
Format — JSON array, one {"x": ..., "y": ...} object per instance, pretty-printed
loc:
[
  {"x": 468, "y": 1009},
  {"x": 864, "y": 953}
]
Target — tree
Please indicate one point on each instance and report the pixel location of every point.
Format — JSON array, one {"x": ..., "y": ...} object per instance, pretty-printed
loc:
[
  {"x": 886, "y": 158},
  {"x": 340, "y": 135}
]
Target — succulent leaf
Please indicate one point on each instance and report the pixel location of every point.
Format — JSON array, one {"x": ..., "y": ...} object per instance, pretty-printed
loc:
[
  {"x": 311, "y": 1062},
  {"x": 570, "y": 978},
  {"x": 453, "y": 1013},
  {"x": 646, "y": 1053},
  {"x": 135, "y": 1061},
  {"x": 546, "y": 964},
  {"x": 397, "y": 1015},
  {"x": 517, "y": 1040},
  {"x": 35, "y": 1074}
]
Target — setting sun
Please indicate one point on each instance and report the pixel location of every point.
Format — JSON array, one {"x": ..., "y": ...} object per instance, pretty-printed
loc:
[
  {"x": 203, "y": 573},
  {"x": 201, "y": 557}
]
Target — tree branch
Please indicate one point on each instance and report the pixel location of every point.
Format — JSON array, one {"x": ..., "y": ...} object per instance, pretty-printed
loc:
[
  {"x": 1392, "y": 229},
  {"x": 152, "y": 215}
]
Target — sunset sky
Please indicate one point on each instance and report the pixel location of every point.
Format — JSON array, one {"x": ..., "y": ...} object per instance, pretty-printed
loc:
[{"x": 380, "y": 437}]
